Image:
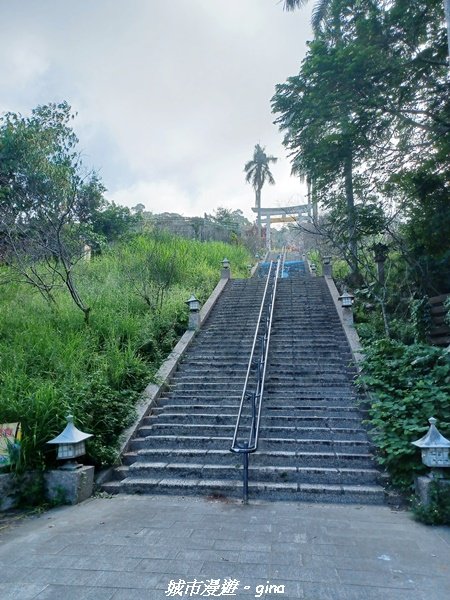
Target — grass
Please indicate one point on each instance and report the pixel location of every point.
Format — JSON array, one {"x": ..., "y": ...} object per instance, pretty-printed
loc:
[{"x": 52, "y": 363}]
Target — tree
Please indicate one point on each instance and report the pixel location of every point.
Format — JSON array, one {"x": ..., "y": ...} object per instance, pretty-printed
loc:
[
  {"x": 158, "y": 270},
  {"x": 47, "y": 201},
  {"x": 370, "y": 102},
  {"x": 233, "y": 220},
  {"x": 257, "y": 173},
  {"x": 112, "y": 221},
  {"x": 319, "y": 12}
]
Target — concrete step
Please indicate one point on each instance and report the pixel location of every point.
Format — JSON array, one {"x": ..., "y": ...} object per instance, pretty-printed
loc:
[
  {"x": 299, "y": 398},
  {"x": 223, "y": 443},
  {"x": 271, "y": 473},
  {"x": 267, "y": 419},
  {"x": 287, "y": 458},
  {"x": 269, "y": 410},
  {"x": 346, "y": 494},
  {"x": 307, "y": 432}
]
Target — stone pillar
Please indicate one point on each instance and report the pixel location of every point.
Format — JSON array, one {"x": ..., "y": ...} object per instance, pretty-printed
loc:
[
  {"x": 347, "y": 316},
  {"x": 69, "y": 487},
  {"x": 194, "y": 320},
  {"x": 268, "y": 232},
  {"x": 327, "y": 271},
  {"x": 226, "y": 272},
  {"x": 423, "y": 484}
]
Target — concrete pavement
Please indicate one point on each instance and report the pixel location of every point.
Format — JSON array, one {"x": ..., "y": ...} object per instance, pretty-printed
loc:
[{"x": 155, "y": 547}]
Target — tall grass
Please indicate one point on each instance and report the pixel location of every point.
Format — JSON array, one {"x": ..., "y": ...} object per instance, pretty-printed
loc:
[{"x": 52, "y": 363}]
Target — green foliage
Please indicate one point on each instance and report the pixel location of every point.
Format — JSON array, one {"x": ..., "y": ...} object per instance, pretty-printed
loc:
[
  {"x": 421, "y": 318},
  {"x": 233, "y": 220},
  {"x": 50, "y": 206},
  {"x": 409, "y": 384},
  {"x": 447, "y": 308},
  {"x": 257, "y": 170},
  {"x": 29, "y": 489},
  {"x": 51, "y": 363},
  {"x": 113, "y": 222},
  {"x": 437, "y": 512},
  {"x": 340, "y": 269},
  {"x": 315, "y": 258},
  {"x": 367, "y": 121}
]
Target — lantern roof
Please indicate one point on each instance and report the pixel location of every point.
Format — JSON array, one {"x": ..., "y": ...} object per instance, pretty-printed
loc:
[
  {"x": 433, "y": 438},
  {"x": 70, "y": 435},
  {"x": 346, "y": 294}
]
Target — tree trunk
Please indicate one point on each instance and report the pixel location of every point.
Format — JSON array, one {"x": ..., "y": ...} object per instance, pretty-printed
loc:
[
  {"x": 313, "y": 200},
  {"x": 258, "y": 207},
  {"x": 348, "y": 178}
]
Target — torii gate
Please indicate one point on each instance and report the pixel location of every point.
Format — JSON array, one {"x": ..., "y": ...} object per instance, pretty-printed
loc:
[{"x": 286, "y": 214}]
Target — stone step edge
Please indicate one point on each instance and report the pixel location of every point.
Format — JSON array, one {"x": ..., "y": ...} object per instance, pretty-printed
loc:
[
  {"x": 210, "y": 439},
  {"x": 153, "y": 391},
  {"x": 222, "y": 415},
  {"x": 332, "y": 489},
  {"x": 253, "y": 468},
  {"x": 288, "y": 407},
  {"x": 280, "y": 429},
  {"x": 269, "y": 453}
]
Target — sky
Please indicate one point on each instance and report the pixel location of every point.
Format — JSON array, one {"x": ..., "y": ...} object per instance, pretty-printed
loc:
[{"x": 171, "y": 96}]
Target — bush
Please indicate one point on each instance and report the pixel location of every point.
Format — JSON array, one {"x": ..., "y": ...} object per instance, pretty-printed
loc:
[{"x": 409, "y": 384}]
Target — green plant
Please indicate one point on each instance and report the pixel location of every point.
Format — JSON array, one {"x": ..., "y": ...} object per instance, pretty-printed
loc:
[
  {"x": 59, "y": 497},
  {"x": 421, "y": 318},
  {"x": 408, "y": 385},
  {"x": 315, "y": 258},
  {"x": 29, "y": 489},
  {"x": 52, "y": 364}
]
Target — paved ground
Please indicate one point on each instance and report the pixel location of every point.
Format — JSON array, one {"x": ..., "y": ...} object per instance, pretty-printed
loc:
[{"x": 131, "y": 547}]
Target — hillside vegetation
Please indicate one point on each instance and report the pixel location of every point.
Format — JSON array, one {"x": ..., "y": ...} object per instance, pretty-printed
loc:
[{"x": 52, "y": 362}]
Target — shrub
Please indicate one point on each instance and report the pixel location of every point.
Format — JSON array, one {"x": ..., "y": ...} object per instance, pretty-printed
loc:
[{"x": 409, "y": 384}]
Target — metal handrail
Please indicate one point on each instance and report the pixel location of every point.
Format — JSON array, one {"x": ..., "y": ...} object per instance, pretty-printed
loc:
[
  {"x": 255, "y": 396},
  {"x": 283, "y": 254}
]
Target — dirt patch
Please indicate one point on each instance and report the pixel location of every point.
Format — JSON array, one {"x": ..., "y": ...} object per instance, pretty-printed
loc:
[
  {"x": 220, "y": 498},
  {"x": 15, "y": 517}
]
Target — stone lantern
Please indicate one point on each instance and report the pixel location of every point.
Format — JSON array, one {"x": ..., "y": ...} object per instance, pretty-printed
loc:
[
  {"x": 435, "y": 447},
  {"x": 194, "y": 312},
  {"x": 346, "y": 301},
  {"x": 71, "y": 444},
  {"x": 327, "y": 266},
  {"x": 226, "y": 271}
]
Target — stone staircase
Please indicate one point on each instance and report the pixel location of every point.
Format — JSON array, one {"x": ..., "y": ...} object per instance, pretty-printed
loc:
[{"x": 312, "y": 444}]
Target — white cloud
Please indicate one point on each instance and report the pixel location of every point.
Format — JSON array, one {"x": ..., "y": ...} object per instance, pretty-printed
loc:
[
  {"x": 160, "y": 196},
  {"x": 171, "y": 96}
]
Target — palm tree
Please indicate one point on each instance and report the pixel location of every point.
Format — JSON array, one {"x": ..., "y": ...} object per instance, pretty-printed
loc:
[
  {"x": 257, "y": 172},
  {"x": 318, "y": 14}
]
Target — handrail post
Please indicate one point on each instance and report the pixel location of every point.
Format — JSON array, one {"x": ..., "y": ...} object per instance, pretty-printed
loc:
[
  {"x": 245, "y": 486},
  {"x": 253, "y": 432}
]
